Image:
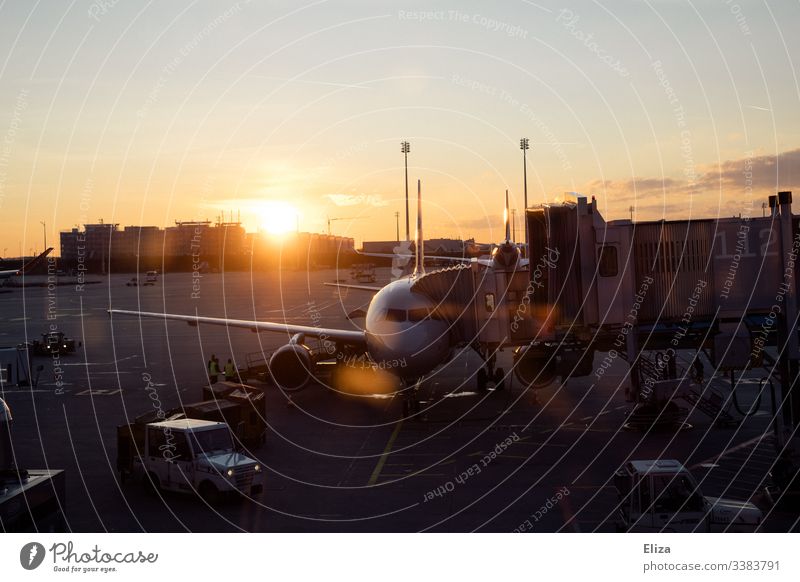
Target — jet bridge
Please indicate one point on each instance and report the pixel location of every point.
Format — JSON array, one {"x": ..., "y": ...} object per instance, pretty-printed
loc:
[{"x": 724, "y": 289}]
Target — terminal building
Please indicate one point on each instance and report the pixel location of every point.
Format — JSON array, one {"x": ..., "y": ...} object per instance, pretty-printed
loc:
[{"x": 106, "y": 247}]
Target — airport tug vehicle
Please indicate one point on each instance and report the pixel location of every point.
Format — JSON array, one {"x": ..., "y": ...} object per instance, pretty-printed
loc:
[
  {"x": 662, "y": 495},
  {"x": 187, "y": 456},
  {"x": 53, "y": 343}
]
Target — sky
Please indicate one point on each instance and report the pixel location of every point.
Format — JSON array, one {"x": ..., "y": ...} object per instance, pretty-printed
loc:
[{"x": 150, "y": 112}]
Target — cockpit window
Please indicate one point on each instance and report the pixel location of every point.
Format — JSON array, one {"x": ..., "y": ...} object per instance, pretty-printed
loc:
[
  {"x": 396, "y": 315},
  {"x": 418, "y": 314}
]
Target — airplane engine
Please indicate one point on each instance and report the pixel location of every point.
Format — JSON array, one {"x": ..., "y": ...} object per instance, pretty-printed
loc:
[
  {"x": 535, "y": 366},
  {"x": 291, "y": 366}
]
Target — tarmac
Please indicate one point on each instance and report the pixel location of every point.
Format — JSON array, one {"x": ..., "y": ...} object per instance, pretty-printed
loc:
[{"x": 469, "y": 461}]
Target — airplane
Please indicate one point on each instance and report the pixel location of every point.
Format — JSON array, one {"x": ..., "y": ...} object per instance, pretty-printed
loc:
[
  {"x": 27, "y": 267},
  {"x": 407, "y": 332}
]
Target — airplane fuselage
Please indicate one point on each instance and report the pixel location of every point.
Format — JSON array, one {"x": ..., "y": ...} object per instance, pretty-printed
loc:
[{"x": 404, "y": 333}]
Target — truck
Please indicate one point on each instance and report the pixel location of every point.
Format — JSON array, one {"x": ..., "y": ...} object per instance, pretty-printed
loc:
[
  {"x": 663, "y": 496},
  {"x": 187, "y": 456}
]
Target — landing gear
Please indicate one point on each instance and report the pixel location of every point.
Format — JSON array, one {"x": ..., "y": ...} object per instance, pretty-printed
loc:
[
  {"x": 411, "y": 405},
  {"x": 499, "y": 379},
  {"x": 489, "y": 374}
]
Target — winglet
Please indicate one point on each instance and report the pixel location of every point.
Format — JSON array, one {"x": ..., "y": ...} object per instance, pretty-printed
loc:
[{"x": 419, "y": 268}]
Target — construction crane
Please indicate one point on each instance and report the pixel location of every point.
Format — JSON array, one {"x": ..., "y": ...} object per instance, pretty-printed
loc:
[{"x": 342, "y": 218}]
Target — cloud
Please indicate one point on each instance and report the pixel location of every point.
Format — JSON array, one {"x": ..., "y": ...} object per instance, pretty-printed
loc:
[
  {"x": 356, "y": 199},
  {"x": 766, "y": 172},
  {"x": 724, "y": 188},
  {"x": 623, "y": 190}
]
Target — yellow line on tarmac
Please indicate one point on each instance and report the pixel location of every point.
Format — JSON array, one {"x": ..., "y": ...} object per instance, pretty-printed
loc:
[{"x": 379, "y": 467}]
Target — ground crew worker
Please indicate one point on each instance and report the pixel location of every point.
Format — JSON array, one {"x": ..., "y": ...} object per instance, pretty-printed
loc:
[
  {"x": 213, "y": 369},
  {"x": 230, "y": 371}
]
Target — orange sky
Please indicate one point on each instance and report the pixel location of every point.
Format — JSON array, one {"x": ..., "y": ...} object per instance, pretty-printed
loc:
[{"x": 140, "y": 114}]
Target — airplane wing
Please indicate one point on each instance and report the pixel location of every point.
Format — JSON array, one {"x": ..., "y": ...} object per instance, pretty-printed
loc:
[
  {"x": 372, "y": 288},
  {"x": 27, "y": 266},
  {"x": 353, "y": 337}
]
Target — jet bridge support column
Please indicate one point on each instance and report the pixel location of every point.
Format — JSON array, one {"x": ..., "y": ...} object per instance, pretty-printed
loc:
[
  {"x": 787, "y": 333},
  {"x": 632, "y": 349}
]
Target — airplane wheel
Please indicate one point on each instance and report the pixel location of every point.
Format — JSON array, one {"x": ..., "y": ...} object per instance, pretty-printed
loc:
[{"x": 482, "y": 378}]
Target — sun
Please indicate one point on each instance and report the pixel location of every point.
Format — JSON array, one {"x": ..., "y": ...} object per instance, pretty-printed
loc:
[{"x": 278, "y": 217}]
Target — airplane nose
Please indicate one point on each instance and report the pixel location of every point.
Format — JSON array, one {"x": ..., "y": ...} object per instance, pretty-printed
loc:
[{"x": 418, "y": 348}]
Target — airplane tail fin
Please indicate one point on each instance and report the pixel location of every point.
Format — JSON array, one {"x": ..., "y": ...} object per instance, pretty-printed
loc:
[
  {"x": 419, "y": 268},
  {"x": 33, "y": 263},
  {"x": 506, "y": 222}
]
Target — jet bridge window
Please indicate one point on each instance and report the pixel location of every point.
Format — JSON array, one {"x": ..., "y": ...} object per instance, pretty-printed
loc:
[
  {"x": 488, "y": 302},
  {"x": 607, "y": 261}
]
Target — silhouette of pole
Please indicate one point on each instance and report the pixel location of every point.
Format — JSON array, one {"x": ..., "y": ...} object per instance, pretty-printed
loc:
[
  {"x": 405, "y": 147},
  {"x": 523, "y": 145}
]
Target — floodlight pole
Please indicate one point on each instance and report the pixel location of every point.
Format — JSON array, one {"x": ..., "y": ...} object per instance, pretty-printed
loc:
[
  {"x": 405, "y": 147},
  {"x": 523, "y": 145}
]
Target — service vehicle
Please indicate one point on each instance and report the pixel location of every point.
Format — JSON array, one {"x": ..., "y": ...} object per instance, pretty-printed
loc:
[
  {"x": 248, "y": 403},
  {"x": 188, "y": 456},
  {"x": 662, "y": 495},
  {"x": 241, "y": 406},
  {"x": 53, "y": 343},
  {"x": 363, "y": 272}
]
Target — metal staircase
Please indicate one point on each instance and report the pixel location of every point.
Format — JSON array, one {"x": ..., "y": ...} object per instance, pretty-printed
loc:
[
  {"x": 703, "y": 398},
  {"x": 711, "y": 405}
]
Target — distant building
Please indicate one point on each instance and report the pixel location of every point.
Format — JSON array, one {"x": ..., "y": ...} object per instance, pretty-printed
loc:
[
  {"x": 202, "y": 239},
  {"x": 104, "y": 247},
  {"x": 436, "y": 246},
  {"x": 137, "y": 241},
  {"x": 92, "y": 243}
]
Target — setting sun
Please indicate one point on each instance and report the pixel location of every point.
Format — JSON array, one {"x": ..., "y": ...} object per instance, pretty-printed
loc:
[{"x": 278, "y": 217}]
